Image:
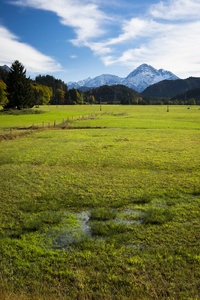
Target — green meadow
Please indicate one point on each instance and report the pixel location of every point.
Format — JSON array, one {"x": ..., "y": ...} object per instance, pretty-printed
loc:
[{"x": 101, "y": 204}]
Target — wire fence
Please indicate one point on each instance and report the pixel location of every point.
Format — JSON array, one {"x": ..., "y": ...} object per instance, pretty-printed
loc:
[{"x": 63, "y": 124}]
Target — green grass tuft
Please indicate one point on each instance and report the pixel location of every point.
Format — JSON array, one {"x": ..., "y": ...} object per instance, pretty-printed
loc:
[
  {"x": 108, "y": 228},
  {"x": 157, "y": 216},
  {"x": 102, "y": 214},
  {"x": 143, "y": 199}
]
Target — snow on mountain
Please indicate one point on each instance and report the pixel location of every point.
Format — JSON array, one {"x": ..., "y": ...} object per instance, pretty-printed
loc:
[
  {"x": 78, "y": 84},
  {"x": 5, "y": 67},
  {"x": 139, "y": 79},
  {"x": 105, "y": 79},
  {"x": 146, "y": 75}
]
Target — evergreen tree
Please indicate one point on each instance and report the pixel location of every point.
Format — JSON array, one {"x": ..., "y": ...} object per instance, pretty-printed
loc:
[
  {"x": 20, "y": 92},
  {"x": 75, "y": 96}
]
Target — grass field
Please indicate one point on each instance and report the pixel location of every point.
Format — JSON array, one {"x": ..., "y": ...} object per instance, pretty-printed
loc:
[{"x": 108, "y": 211}]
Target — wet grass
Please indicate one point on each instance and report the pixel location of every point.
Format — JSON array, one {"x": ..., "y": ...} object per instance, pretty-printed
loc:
[
  {"x": 109, "y": 228},
  {"x": 103, "y": 213},
  {"x": 157, "y": 216}
]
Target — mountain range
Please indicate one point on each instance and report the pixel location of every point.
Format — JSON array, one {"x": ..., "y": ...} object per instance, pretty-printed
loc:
[
  {"x": 139, "y": 79},
  {"x": 145, "y": 80}
]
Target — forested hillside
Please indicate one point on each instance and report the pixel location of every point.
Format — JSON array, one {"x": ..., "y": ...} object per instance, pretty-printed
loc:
[
  {"x": 192, "y": 96},
  {"x": 170, "y": 88},
  {"x": 116, "y": 94}
]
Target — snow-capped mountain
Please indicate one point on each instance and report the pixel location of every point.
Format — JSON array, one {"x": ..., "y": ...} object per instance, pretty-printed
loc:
[
  {"x": 145, "y": 75},
  {"x": 105, "y": 79},
  {"x": 78, "y": 84},
  {"x": 139, "y": 79},
  {"x": 5, "y": 67}
]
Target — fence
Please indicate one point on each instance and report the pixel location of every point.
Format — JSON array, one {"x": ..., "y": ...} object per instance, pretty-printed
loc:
[{"x": 65, "y": 123}]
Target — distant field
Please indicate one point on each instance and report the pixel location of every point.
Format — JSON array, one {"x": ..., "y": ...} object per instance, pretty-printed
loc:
[
  {"x": 134, "y": 116},
  {"x": 47, "y": 115},
  {"x": 107, "y": 212}
]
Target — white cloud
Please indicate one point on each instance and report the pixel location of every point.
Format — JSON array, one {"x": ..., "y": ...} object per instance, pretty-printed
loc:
[
  {"x": 131, "y": 29},
  {"x": 73, "y": 56},
  {"x": 137, "y": 28},
  {"x": 99, "y": 48},
  {"x": 176, "y": 10},
  {"x": 84, "y": 16},
  {"x": 34, "y": 61},
  {"x": 168, "y": 36},
  {"x": 173, "y": 45}
]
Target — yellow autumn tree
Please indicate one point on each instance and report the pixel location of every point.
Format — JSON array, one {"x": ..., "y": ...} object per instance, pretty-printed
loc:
[
  {"x": 3, "y": 93},
  {"x": 42, "y": 93},
  {"x": 60, "y": 97}
]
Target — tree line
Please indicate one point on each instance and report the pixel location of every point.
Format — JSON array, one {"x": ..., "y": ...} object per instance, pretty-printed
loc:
[{"x": 18, "y": 91}]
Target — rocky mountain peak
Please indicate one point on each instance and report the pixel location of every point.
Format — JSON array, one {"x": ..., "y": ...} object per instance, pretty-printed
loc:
[{"x": 139, "y": 79}]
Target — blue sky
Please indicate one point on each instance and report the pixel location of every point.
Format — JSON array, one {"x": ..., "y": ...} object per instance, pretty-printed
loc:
[{"x": 76, "y": 39}]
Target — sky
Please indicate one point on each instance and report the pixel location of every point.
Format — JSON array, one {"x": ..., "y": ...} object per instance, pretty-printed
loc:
[{"x": 76, "y": 39}]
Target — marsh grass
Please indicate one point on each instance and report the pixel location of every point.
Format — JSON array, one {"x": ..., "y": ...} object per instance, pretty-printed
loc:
[
  {"x": 130, "y": 215},
  {"x": 108, "y": 228},
  {"x": 157, "y": 216},
  {"x": 38, "y": 221},
  {"x": 196, "y": 191},
  {"x": 18, "y": 112},
  {"x": 103, "y": 214},
  {"x": 145, "y": 198},
  {"x": 140, "y": 186}
]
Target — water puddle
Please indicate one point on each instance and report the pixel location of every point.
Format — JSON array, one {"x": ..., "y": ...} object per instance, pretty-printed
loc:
[
  {"x": 127, "y": 222},
  {"x": 76, "y": 227},
  {"x": 130, "y": 216},
  {"x": 113, "y": 128}
]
